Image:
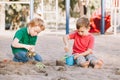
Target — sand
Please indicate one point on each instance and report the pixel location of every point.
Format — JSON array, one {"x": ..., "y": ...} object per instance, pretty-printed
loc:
[{"x": 50, "y": 48}]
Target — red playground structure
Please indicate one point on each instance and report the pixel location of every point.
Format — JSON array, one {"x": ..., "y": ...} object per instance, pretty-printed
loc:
[{"x": 95, "y": 21}]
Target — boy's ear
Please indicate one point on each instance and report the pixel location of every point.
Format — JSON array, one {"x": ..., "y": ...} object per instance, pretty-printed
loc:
[{"x": 88, "y": 28}]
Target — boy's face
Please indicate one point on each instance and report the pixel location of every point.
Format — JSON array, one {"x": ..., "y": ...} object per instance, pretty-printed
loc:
[
  {"x": 34, "y": 31},
  {"x": 83, "y": 31}
]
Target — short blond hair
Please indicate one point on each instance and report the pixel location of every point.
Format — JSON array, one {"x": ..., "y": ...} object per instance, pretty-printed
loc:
[{"x": 37, "y": 22}]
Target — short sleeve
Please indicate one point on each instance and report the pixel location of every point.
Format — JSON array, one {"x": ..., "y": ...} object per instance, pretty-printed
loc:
[
  {"x": 19, "y": 34},
  {"x": 91, "y": 42},
  {"x": 72, "y": 35}
]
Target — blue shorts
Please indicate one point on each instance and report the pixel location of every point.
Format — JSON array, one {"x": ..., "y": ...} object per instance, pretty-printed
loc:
[{"x": 22, "y": 57}]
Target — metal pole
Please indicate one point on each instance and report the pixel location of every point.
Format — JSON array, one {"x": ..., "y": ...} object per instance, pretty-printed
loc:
[
  {"x": 102, "y": 16},
  {"x": 31, "y": 9},
  {"x": 56, "y": 15},
  {"x": 67, "y": 15}
]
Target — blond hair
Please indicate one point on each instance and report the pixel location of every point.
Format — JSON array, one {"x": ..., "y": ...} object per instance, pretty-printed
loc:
[{"x": 37, "y": 22}]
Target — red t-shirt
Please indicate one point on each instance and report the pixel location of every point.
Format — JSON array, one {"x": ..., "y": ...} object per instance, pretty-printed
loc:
[{"x": 82, "y": 43}]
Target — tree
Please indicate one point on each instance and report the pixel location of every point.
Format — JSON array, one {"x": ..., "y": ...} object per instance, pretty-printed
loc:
[{"x": 62, "y": 4}]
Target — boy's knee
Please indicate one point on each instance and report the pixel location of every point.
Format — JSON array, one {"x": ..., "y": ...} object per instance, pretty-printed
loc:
[
  {"x": 38, "y": 58},
  {"x": 20, "y": 57},
  {"x": 80, "y": 60}
]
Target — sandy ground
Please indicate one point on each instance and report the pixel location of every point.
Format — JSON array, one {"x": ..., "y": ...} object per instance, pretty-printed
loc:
[{"x": 50, "y": 47}]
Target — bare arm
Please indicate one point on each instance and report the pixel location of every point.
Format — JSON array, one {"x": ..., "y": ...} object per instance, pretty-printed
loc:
[
  {"x": 66, "y": 42},
  {"x": 16, "y": 44},
  {"x": 89, "y": 51}
]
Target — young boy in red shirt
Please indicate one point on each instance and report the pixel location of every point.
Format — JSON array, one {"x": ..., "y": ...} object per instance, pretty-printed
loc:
[{"x": 83, "y": 45}]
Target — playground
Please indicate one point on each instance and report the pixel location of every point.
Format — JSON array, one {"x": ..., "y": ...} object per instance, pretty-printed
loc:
[{"x": 51, "y": 48}]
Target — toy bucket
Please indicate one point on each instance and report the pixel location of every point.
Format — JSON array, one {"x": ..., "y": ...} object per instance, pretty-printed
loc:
[{"x": 70, "y": 60}]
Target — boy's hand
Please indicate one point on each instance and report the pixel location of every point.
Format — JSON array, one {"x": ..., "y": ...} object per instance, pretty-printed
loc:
[
  {"x": 33, "y": 49},
  {"x": 77, "y": 55},
  {"x": 28, "y": 47},
  {"x": 66, "y": 49}
]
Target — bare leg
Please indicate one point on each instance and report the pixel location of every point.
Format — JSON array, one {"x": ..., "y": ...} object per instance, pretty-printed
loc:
[
  {"x": 98, "y": 64},
  {"x": 85, "y": 64}
]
